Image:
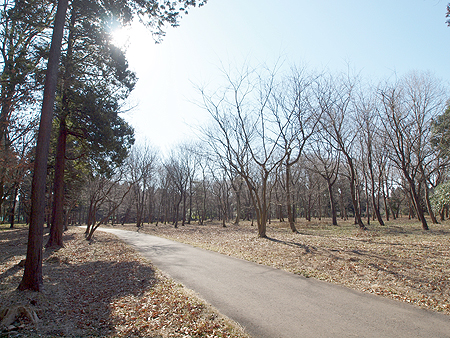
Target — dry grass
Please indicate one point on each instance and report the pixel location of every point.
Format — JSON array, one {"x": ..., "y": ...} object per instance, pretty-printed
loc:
[
  {"x": 102, "y": 288},
  {"x": 398, "y": 261}
]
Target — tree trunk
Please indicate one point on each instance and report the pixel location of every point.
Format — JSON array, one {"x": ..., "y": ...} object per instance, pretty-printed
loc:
[
  {"x": 183, "y": 216},
  {"x": 177, "y": 209},
  {"x": 376, "y": 204},
  {"x": 429, "y": 207},
  {"x": 190, "y": 204},
  {"x": 358, "y": 219},
  {"x": 57, "y": 224},
  {"x": 320, "y": 207},
  {"x": 262, "y": 222},
  {"x": 288, "y": 199},
  {"x": 32, "y": 276},
  {"x": 13, "y": 208},
  {"x": 386, "y": 202},
  {"x": 308, "y": 211},
  {"x": 332, "y": 203},
  {"x": 417, "y": 203},
  {"x": 238, "y": 207}
]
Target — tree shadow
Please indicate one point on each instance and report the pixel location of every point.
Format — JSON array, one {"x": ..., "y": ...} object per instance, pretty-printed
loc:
[
  {"x": 307, "y": 248},
  {"x": 77, "y": 297},
  {"x": 11, "y": 243},
  {"x": 93, "y": 288}
]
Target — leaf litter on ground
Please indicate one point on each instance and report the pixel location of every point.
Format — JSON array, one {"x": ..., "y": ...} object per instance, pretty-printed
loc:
[
  {"x": 399, "y": 261},
  {"x": 101, "y": 288}
]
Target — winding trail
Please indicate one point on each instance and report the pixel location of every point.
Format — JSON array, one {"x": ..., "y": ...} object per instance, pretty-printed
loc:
[{"x": 271, "y": 303}]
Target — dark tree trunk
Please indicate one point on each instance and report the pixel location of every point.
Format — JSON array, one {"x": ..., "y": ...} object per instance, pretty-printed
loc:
[
  {"x": 13, "y": 208},
  {"x": 375, "y": 203},
  {"x": 417, "y": 204},
  {"x": 183, "y": 217},
  {"x": 288, "y": 200},
  {"x": 332, "y": 203},
  {"x": 386, "y": 201},
  {"x": 57, "y": 225},
  {"x": 429, "y": 207},
  {"x": 353, "y": 194},
  {"x": 32, "y": 276},
  {"x": 57, "y": 220},
  {"x": 177, "y": 210},
  {"x": 320, "y": 207},
  {"x": 238, "y": 207}
]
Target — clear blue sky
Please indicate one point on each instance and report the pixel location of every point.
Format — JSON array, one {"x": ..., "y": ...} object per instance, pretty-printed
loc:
[{"x": 377, "y": 38}]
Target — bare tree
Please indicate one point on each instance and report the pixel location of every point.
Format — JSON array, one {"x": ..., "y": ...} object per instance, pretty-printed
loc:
[
  {"x": 142, "y": 161},
  {"x": 296, "y": 118},
  {"x": 325, "y": 160},
  {"x": 369, "y": 134},
  {"x": 178, "y": 171},
  {"x": 220, "y": 190},
  {"x": 243, "y": 135},
  {"x": 106, "y": 193},
  {"x": 408, "y": 109},
  {"x": 335, "y": 98}
]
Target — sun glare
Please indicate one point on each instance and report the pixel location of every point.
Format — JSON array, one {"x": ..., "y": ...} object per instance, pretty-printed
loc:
[{"x": 121, "y": 37}]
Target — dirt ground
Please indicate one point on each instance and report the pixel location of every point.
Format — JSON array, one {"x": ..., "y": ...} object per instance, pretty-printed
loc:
[
  {"x": 398, "y": 261},
  {"x": 101, "y": 288}
]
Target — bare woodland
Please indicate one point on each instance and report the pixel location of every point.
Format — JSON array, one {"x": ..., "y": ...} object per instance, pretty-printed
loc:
[{"x": 301, "y": 145}]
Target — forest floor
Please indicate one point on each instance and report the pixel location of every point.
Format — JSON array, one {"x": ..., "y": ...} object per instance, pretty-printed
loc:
[
  {"x": 101, "y": 288},
  {"x": 399, "y": 261}
]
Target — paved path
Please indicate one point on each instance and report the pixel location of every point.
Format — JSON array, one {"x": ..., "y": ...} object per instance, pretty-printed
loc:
[{"x": 272, "y": 303}]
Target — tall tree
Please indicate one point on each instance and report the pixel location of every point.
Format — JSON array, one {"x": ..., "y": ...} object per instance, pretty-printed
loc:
[
  {"x": 142, "y": 162},
  {"x": 155, "y": 14},
  {"x": 94, "y": 82},
  {"x": 297, "y": 119},
  {"x": 335, "y": 97},
  {"x": 325, "y": 161},
  {"x": 99, "y": 70},
  {"x": 32, "y": 276},
  {"x": 23, "y": 45},
  {"x": 368, "y": 127},
  {"x": 177, "y": 169},
  {"x": 245, "y": 136}
]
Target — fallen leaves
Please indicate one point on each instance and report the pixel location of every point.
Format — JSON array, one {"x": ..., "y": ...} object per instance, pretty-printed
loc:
[
  {"x": 104, "y": 288},
  {"x": 403, "y": 261}
]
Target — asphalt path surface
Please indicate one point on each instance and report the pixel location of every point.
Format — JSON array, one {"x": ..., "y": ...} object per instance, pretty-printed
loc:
[{"x": 271, "y": 303}]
